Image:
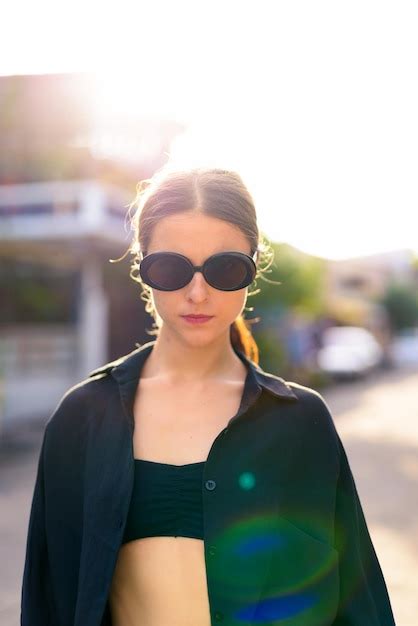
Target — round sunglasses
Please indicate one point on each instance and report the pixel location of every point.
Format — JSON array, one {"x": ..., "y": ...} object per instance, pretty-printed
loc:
[{"x": 169, "y": 271}]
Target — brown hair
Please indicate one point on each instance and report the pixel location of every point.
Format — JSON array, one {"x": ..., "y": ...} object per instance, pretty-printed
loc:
[{"x": 215, "y": 192}]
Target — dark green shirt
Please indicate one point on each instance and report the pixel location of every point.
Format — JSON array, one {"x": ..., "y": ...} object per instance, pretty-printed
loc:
[{"x": 285, "y": 537}]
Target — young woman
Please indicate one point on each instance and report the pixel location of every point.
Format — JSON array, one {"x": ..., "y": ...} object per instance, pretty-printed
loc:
[{"x": 181, "y": 484}]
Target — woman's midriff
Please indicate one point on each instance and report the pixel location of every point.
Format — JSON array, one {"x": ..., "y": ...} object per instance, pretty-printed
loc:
[{"x": 160, "y": 581}]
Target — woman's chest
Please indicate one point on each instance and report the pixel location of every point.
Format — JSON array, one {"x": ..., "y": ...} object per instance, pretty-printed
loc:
[{"x": 178, "y": 425}]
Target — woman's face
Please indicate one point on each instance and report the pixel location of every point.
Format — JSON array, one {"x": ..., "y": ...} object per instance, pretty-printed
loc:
[{"x": 198, "y": 236}]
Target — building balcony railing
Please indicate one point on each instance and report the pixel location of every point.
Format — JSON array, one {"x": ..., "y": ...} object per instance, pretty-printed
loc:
[{"x": 62, "y": 210}]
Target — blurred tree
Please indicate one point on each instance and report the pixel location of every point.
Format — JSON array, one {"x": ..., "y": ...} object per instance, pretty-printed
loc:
[
  {"x": 401, "y": 304},
  {"x": 301, "y": 291},
  {"x": 302, "y": 287}
]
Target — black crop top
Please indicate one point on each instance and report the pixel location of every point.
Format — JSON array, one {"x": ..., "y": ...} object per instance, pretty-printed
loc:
[{"x": 166, "y": 501}]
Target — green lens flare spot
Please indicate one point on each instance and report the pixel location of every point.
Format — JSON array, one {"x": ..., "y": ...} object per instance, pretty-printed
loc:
[{"x": 246, "y": 480}]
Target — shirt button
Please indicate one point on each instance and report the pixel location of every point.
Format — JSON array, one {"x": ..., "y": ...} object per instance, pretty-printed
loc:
[
  {"x": 210, "y": 484},
  {"x": 219, "y": 616},
  {"x": 120, "y": 522},
  {"x": 212, "y": 550}
]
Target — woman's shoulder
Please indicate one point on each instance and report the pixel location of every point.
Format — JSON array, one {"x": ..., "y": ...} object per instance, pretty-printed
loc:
[
  {"x": 305, "y": 396},
  {"x": 309, "y": 407},
  {"x": 308, "y": 396},
  {"x": 81, "y": 399}
]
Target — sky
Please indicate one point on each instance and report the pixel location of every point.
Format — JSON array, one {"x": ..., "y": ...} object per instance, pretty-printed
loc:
[{"x": 314, "y": 103}]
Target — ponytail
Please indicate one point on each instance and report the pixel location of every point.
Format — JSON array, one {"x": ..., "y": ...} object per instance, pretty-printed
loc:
[{"x": 243, "y": 340}]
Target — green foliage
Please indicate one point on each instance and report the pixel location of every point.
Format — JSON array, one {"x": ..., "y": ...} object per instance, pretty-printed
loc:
[
  {"x": 401, "y": 303},
  {"x": 294, "y": 282},
  {"x": 272, "y": 353},
  {"x": 301, "y": 287}
]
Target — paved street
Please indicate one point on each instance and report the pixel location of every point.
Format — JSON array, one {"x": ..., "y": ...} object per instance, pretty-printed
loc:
[
  {"x": 18, "y": 461},
  {"x": 378, "y": 423}
]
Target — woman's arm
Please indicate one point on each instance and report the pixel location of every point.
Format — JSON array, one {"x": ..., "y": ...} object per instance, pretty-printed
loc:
[
  {"x": 364, "y": 598},
  {"x": 36, "y": 596}
]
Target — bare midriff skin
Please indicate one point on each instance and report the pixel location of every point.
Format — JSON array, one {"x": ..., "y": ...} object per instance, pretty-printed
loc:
[{"x": 161, "y": 581}]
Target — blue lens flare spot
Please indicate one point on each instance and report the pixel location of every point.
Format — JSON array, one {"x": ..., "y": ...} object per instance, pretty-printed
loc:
[
  {"x": 281, "y": 607},
  {"x": 258, "y": 542},
  {"x": 246, "y": 480}
]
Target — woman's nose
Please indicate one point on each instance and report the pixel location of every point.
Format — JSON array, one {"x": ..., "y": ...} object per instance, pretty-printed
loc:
[{"x": 197, "y": 287}]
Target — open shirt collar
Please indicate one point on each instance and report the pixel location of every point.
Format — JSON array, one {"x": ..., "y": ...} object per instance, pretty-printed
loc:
[{"x": 127, "y": 368}]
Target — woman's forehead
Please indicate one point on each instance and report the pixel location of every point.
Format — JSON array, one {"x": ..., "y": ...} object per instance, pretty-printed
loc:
[{"x": 191, "y": 232}]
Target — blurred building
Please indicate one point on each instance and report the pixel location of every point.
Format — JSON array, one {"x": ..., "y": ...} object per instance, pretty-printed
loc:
[
  {"x": 66, "y": 182},
  {"x": 52, "y": 128},
  {"x": 65, "y": 308},
  {"x": 354, "y": 285}
]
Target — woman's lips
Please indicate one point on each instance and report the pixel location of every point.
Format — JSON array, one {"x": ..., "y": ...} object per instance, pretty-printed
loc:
[{"x": 197, "y": 319}]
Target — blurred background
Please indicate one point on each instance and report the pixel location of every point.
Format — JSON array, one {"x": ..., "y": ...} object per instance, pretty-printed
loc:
[{"x": 315, "y": 105}]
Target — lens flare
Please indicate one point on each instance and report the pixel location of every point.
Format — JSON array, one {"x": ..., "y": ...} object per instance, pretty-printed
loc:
[{"x": 298, "y": 571}]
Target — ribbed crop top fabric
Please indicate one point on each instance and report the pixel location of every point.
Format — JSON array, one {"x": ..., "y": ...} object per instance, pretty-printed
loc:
[{"x": 166, "y": 501}]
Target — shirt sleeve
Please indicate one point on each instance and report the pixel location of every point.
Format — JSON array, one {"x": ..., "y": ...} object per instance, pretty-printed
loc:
[
  {"x": 36, "y": 593},
  {"x": 363, "y": 593}
]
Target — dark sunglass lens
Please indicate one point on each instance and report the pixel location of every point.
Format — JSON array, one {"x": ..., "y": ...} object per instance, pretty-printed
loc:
[
  {"x": 168, "y": 272},
  {"x": 228, "y": 272}
]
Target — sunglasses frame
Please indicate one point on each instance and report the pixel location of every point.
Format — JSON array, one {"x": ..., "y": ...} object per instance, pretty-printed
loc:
[{"x": 147, "y": 259}]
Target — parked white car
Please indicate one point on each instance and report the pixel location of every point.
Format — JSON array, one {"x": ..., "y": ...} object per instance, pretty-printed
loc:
[
  {"x": 349, "y": 351},
  {"x": 404, "y": 348}
]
